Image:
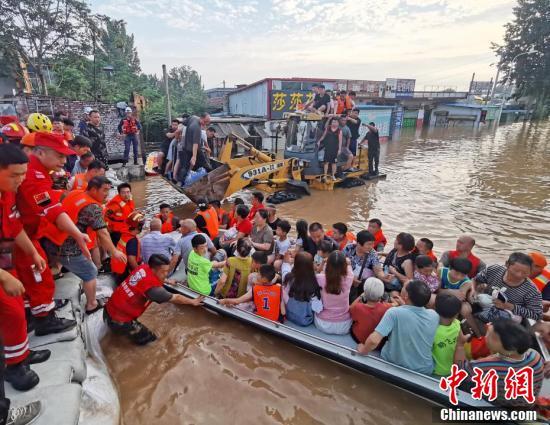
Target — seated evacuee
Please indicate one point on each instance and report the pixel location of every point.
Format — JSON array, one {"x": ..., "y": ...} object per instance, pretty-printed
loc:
[
  {"x": 510, "y": 345},
  {"x": 266, "y": 295},
  {"x": 447, "y": 335},
  {"x": 410, "y": 330},
  {"x": 282, "y": 243},
  {"x": 85, "y": 210},
  {"x": 320, "y": 259},
  {"x": 368, "y": 309},
  {"x": 540, "y": 275},
  {"x": 363, "y": 260},
  {"x": 80, "y": 145},
  {"x": 128, "y": 244},
  {"x": 425, "y": 246},
  {"x": 464, "y": 246},
  {"x": 272, "y": 219},
  {"x": 233, "y": 213},
  {"x": 375, "y": 227},
  {"x": 169, "y": 221},
  {"x": 155, "y": 242},
  {"x": 262, "y": 235},
  {"x": 242, "y": 229},
  {"x": 223, "y": 216},
  {"x": 303, "y": 240},
  {"x": 317, "y": 233},
  {"x": 399, "y": 263},
  {"x": 81, "y": 165},
  {"x": 335, "y": 285},
  {"x": 519, "y": 295},
  {"x": 80, "y": 181},
  {"x": 130, "y": 300},
  {"x": 425, "y": 271},
  {"x": 301, "y": 292},
  {"x": 188, "y": 230},
  {"x": 257, "y": 204},
  {"x": 198, "y": 267},
  {"x": 234, "y": 279},
  {"x": 341, "y": 236},
  {"x": 207, "y": 219}
]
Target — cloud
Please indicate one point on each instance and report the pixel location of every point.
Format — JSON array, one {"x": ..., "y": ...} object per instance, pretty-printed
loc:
[{"x": 435, "y": 41}]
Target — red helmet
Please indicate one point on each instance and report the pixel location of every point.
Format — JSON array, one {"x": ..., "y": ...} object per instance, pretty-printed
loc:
[{"x": 13, "y": 131}]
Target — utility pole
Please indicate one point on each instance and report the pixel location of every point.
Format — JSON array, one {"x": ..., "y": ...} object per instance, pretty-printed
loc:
[
  {"x": 168, "y": 104},
  {"x": 223, "y": 83}
]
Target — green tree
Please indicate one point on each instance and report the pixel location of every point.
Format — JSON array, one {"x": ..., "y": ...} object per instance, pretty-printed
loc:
[
  {"x": 39, "y": 31},
  {"x": 186, "y": 91},
  {"x": 530, "y": 30}
]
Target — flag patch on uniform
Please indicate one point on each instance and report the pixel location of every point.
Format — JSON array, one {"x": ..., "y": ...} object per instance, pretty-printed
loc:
[{"x": 42, "y": 199}]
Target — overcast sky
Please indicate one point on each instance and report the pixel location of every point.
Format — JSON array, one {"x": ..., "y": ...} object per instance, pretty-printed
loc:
[{"x": 437, "y": 42}]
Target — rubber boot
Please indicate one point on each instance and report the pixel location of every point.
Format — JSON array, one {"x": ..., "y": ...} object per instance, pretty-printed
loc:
[
  {"x": 38, "y": 356},
  {"x": 24, "y": 415},
  {"x": 51, "y": 324},
  {"x": 21, "y": 377}
]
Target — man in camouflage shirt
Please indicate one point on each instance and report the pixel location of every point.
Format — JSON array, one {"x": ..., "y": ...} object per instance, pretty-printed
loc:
[{"x": 95, "y": 132}]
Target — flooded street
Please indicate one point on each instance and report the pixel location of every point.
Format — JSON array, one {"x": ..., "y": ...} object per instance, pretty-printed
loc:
[{"x": 209, "y": 369}]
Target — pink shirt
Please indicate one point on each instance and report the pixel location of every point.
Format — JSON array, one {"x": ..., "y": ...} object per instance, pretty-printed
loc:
[{"x": 335, "y": 307}]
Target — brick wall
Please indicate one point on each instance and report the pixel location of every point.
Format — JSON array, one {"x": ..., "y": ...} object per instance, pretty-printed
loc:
[{"x": 75, "y": 109}]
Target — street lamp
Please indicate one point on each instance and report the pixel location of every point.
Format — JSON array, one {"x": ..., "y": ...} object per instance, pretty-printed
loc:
[{"x": 530, "y": 51}]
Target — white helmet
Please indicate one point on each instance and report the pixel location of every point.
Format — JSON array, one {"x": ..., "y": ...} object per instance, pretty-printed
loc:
[
  {"x": 128, "y": 109},
  {"x": 87, "y": 110}
]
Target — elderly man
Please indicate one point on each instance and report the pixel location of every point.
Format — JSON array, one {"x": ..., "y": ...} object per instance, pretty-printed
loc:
[
  {"x": 188, "y": 229},
  {"x": 156, "y": 243},
  {"x": 464, "y": 246},
  {"x": 318, "y": 235}
]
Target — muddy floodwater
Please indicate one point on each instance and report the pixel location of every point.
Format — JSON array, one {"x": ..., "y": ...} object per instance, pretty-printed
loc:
[{"x": 205, "y": 369}]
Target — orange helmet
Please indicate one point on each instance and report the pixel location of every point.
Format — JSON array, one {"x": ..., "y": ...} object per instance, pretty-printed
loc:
[
  {"x": 13, "y": 131},
  {"x": 135, "y": 220},
  {"x": 28, "y": 140}
]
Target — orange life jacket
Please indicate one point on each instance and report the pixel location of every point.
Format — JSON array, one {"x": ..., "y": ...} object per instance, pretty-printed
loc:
[
  {"x": 73, "y": 203},
  {"x": 221, "y": 216},
  {"x": 267, "y": 299},
  {"x": 167, "y": 225},
  {"x": 80, "y": 182},
  {"x": 129, "y": 126},
  {"x": 120, "y": 211},
  {"x": 541, "y": 280},
  {"x": 118, "y": 266},
  {"x": 350, "y": 237},
  {"x": 212, "y": 223},
  {"x": 473, "y": 260}
]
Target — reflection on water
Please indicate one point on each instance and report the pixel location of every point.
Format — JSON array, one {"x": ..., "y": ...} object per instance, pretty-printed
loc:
[{"x": 209, "y": 369}]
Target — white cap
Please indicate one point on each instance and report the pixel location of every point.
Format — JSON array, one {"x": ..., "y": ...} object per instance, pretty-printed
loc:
[
  {"x": 128, "y": 109},
  {"x": 87, "y": 110}
]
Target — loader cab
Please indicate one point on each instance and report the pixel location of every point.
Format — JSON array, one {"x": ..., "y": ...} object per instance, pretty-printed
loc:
[{"x": 303, "y": 132}]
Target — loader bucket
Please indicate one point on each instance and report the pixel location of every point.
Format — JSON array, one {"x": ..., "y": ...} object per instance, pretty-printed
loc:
[{"x": 212, "y": 186}]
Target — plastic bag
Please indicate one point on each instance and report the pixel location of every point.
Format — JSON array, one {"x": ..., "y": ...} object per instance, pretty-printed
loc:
[{"x": 193, "y": 176}]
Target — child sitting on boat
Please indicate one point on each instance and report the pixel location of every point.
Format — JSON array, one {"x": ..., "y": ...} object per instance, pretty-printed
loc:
[
  {"x": 198, "y": 267},
  {"x": 267, "y": 296},
  {"x": 448, "y": 307},
  {"x": 425, "y": 271},
  {"x": 320, "y": 259}
]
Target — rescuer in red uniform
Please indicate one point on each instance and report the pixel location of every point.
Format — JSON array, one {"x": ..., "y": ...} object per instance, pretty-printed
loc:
[
  {"x": 13, "y": 324},
  {"x": 40, "y": 207},
  {"x": 130, "y": 300}
]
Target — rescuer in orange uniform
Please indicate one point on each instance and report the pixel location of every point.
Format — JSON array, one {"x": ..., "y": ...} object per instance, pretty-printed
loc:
[
  {"x": 40, "y": 207},
  {"x": 118, "y": 210},
  {"x": 80, "y": 181},
  {"x": 13, "y": 324}
]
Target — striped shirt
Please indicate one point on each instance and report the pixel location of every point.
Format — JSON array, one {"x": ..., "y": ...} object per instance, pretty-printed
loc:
[
  {"x": 157, "y": 243},
  {"x": 525, "y": 297},
  {"x": 501, "y": 364}
]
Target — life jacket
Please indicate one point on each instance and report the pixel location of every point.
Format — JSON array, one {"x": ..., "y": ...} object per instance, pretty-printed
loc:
[
  {"x": 267, "y": 299},
  {"x": 167, "y": 225},
  {"x": 232, "y": 219},
  {"x": 212, "y": 223},
  {"x": 80, "y": 182},
  {"x": 118, "y": 266},
  {"x": 343, "y": 105},
  {"x": 350, "y": 237},
  {"x": 473, "y": 259},
  {"x": 379, "y": 239},
  {"x": 129, "y": 126},
  {"x": 121, "y": 210},
  {"x": 73, "y": 203},
  {"x": 129, "y": 300},
  {"x": 432, "y": 256},
  {"x": 221, "y": 214},
  {"x": 541, "y": 280}
]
